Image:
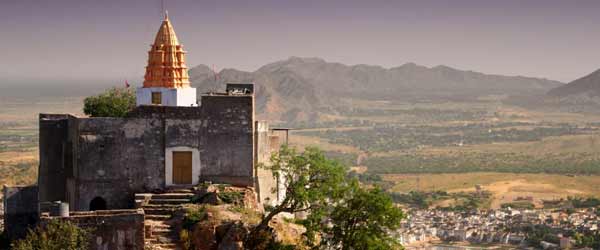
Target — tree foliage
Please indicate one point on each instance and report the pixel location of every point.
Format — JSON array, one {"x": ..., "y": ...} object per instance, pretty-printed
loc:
[
  {"x": 311, "y": 183},
  {"x": 341, "y": 213},
  {"x": 56, "y": 235},
  {"x": 114, "y": 102},
  {"x": 363, "y": 220}
]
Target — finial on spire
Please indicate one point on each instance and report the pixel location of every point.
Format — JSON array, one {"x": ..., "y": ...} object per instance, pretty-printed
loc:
[{"x": 166, "y": 15}]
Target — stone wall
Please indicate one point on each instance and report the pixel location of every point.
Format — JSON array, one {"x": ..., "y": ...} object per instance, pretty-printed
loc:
[
  {"x": 228, "y": 155},
  {"x": 268, "y": 141},
  {"x": 55, "y": 158},
  {"x": 116, "y": 158},
  {"x": 110, "y": 229},
  {"x": 222, "y": 129},
  {"x": 20, "y": 210},
  {"x": 82, "y": 159}
]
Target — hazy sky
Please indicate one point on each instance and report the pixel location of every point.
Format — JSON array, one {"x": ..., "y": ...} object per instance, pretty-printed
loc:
[{"x": 78, "y": 39}]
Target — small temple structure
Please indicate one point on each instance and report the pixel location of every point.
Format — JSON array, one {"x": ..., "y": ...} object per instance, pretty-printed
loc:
[
  {"x": 166, "y": 81},
  {"x": 169, "y": 141}
]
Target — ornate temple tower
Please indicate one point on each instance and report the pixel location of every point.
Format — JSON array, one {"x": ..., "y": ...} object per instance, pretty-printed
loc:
[{"x": 166, "y": 81}]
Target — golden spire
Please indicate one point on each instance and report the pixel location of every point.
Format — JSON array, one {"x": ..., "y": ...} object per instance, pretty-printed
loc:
[{"x": 166, "y": 60}]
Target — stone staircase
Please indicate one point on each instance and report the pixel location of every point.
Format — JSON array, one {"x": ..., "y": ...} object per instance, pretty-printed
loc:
[{"x": 159, "y": 209}]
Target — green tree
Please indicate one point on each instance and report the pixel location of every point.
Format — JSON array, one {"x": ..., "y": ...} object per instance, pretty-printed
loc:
[
  {"x": 114, "y": 102},
  {"x": 312, "y": 184},
  {"x": 345, "y": 215},
  {"x": 56, "y": 235},
  {"x": 364, "y": 220}
]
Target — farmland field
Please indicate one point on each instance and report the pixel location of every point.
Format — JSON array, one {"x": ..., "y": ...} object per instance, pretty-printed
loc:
[
  {"x": 19, "y": 133},
  {"x": 452, "y": 146}
]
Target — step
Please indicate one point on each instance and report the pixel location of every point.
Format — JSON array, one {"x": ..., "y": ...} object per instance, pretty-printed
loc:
[
  {"x": 158, "y": 217},
  {"x": 162, "y": 206},
  {"x": 161, "y": 226},
  {"x": 159, "y": 211},
  {"x": 167, "y": 246},
  {"x": 141, "y": 196},
  {"x": 172, "y": 196},
  {"x": 165, "y": 233},
  {"x": 159, "y": 240},
  {"x": 169, "y": 201}
]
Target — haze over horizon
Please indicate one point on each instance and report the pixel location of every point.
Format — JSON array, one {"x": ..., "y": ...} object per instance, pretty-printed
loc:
[{"x": 109, "y": 39}]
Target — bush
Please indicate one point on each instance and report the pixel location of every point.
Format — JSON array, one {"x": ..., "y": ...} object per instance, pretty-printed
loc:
[
  {"x": 193, "y": 216},
  {"x": 231, "y": 197},
  {"x": 115, "y": 102},
  {"x": 56, "y": 235}
]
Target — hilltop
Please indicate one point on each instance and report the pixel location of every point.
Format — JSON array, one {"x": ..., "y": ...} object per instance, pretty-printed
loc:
[
  {"x": 588, "y": 85},
  {"x": 581, "y": 95}
]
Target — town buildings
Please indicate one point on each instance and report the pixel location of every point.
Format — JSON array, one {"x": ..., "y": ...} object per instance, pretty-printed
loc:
[{"x": 503, "y": 226}]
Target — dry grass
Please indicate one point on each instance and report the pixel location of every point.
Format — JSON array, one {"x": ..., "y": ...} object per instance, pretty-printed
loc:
[
  {"x": 19, "y": 168},
  {"x": 505, "y": 187}
]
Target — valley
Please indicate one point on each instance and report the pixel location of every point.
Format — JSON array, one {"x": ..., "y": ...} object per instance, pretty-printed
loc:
[
  {"x": 510, "y": 151},
  {"x": 411, "y": 138}
]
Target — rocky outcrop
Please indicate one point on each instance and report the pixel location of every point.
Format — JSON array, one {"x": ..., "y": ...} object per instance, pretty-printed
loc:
[
  {"x": 209, "y": 217},
  {"x": 209, "y": 235},
  {"x": 218, "y": 194}
]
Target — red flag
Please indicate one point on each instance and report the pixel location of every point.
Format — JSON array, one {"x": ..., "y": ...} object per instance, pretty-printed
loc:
[{"x": 126, "y": 84}]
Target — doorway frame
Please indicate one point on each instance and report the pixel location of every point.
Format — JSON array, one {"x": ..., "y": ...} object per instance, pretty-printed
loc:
[{"x": 169, "y": 164}]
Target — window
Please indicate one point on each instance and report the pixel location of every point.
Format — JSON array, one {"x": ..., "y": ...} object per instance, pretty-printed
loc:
[{"x": 156, "y": 98}]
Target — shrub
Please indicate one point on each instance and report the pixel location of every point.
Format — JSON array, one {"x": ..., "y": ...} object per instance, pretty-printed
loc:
[
  {"x": 56, "y": 235},
  {"x": 231, "y": 197},
  {"x": 114, "y": 102},
  {"x": 193, "y": 216}
]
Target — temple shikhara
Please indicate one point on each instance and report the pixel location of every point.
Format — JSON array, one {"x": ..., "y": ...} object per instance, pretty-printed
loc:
[
  {"x": 129, "y": 167},
  {"x": 166, "y": 81}
]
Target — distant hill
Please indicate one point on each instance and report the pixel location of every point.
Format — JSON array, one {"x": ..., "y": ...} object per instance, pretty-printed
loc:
[
  {"x": 581, "y": 95},
  {"x": 300, "y": 89},
  {"x": 589, "y": 85}
]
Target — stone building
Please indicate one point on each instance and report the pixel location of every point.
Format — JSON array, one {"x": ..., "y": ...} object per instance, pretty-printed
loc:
[{"x": 170, "y": 140}]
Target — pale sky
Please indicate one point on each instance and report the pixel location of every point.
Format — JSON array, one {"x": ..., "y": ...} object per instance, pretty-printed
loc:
[{"x": 83, "y": 39}]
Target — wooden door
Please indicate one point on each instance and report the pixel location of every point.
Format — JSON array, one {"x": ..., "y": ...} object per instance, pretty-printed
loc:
[{"x": 182, "y": 167}]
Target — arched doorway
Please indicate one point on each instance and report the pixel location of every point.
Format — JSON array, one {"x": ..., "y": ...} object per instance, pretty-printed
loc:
[{"x": 97, "y": 204}]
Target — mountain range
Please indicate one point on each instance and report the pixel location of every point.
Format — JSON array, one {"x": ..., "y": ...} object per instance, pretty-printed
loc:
[{"x": 299, "y": 89}]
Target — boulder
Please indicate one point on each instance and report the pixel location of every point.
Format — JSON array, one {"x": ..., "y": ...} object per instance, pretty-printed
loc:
[{"x": 204, "y": 237}]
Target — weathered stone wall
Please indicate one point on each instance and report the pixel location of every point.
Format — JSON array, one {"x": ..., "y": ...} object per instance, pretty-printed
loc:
[
  {"x": 268, "y": 141},
  {"x": 54, "y": 156},
  {"x": 222, "y": 131},
  {"x": 111, "y": 229},
  {"x": 20, "y": 210},
  {"x": 112, "y": 158},
  {"x": 228, "y": 155},
  {"x": 116, "y": 158},
  {"x": 265, "y": 180}
]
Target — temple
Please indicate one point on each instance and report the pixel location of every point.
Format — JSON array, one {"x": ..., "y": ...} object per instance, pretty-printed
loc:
[
  {"x": 167, "y": 142},
  {"x": 166, "y": 81}
]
